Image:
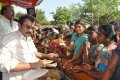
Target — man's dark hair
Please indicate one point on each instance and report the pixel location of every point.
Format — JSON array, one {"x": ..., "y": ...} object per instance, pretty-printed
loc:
[{"x": 27, "y": 16}]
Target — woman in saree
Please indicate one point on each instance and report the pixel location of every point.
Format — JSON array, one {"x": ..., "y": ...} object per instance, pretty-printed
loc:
[
  {"x": 77, "y": 44},
  {"x": 113, "y": 70},
  {"x": 106, "y": 36}
]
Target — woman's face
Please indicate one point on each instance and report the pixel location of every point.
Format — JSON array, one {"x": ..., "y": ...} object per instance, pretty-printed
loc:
[
  {"x": 100, "y": 37},
  {"x": 92, "y": 35},
  {"x": 79, "y": 28}
]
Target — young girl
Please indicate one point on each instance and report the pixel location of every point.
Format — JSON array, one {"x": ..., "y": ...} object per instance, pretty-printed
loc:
[
  {"x": 54, "y": 46},
  {"x": 78, "y": 43},
  {"x": 93, "y": 50}
]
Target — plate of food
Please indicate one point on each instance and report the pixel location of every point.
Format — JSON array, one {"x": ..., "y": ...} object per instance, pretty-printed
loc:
[{"x": 34, "y": 74}]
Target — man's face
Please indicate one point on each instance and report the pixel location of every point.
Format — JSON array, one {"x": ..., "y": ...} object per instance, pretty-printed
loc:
[
  {"x": 9, "y": 13},
  {"x": 27, "y": 28}
]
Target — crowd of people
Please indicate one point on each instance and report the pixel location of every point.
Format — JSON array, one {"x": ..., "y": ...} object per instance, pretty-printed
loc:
[{"x": 24, "y": 47}]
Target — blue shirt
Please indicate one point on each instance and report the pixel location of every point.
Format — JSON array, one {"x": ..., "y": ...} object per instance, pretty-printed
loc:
[{"x": 78, "y": 42}]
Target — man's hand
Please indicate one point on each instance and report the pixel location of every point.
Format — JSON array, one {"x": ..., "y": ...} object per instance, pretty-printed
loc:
[
  {"x": 37, "y": 65},
  {"x": 52, "y": 55},
  {"x": 49, "y": 63}
]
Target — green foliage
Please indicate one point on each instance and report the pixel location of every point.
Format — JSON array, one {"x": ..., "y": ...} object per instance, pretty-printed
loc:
[
  {"x": 100, "y": 11},
  {"x": 94, "y": 12},
  {"x": 52, "y": 22},
  {"x": 18, "y": 14},
  {"x": 76, "y": 11},
  {"x": 1, "y": 6},
  {"x": 40, "y": 17},
  {"x": 62, "y": 16}
]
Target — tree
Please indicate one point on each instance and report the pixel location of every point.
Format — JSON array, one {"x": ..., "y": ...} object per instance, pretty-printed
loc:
[
  {"x": 76, "y": 10},
  {"x": 96, "y": 12},
  {"x": 40, "y": 17},
  {"x": 62, "y": 16},
  {"x": 101, "y": 11},
  {"x": 18, "y": 14},
  {"x": 1, "y": 6}
]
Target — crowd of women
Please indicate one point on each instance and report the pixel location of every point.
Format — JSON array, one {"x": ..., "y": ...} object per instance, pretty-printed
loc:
[{"x": 93, "y": 51}]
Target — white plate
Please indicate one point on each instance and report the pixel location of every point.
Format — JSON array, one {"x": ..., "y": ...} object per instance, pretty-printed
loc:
[{"x": 34, "y": 74}]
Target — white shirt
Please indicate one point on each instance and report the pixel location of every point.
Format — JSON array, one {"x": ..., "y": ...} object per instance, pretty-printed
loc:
[
  {"x": 6, "y": 26},
  {"x": 16, "y": 49}
]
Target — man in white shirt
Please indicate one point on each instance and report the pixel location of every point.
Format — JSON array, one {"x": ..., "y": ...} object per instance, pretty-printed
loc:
[
  {"x": 18, "y": 51},
  {"x": 7, "y": 24}
]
